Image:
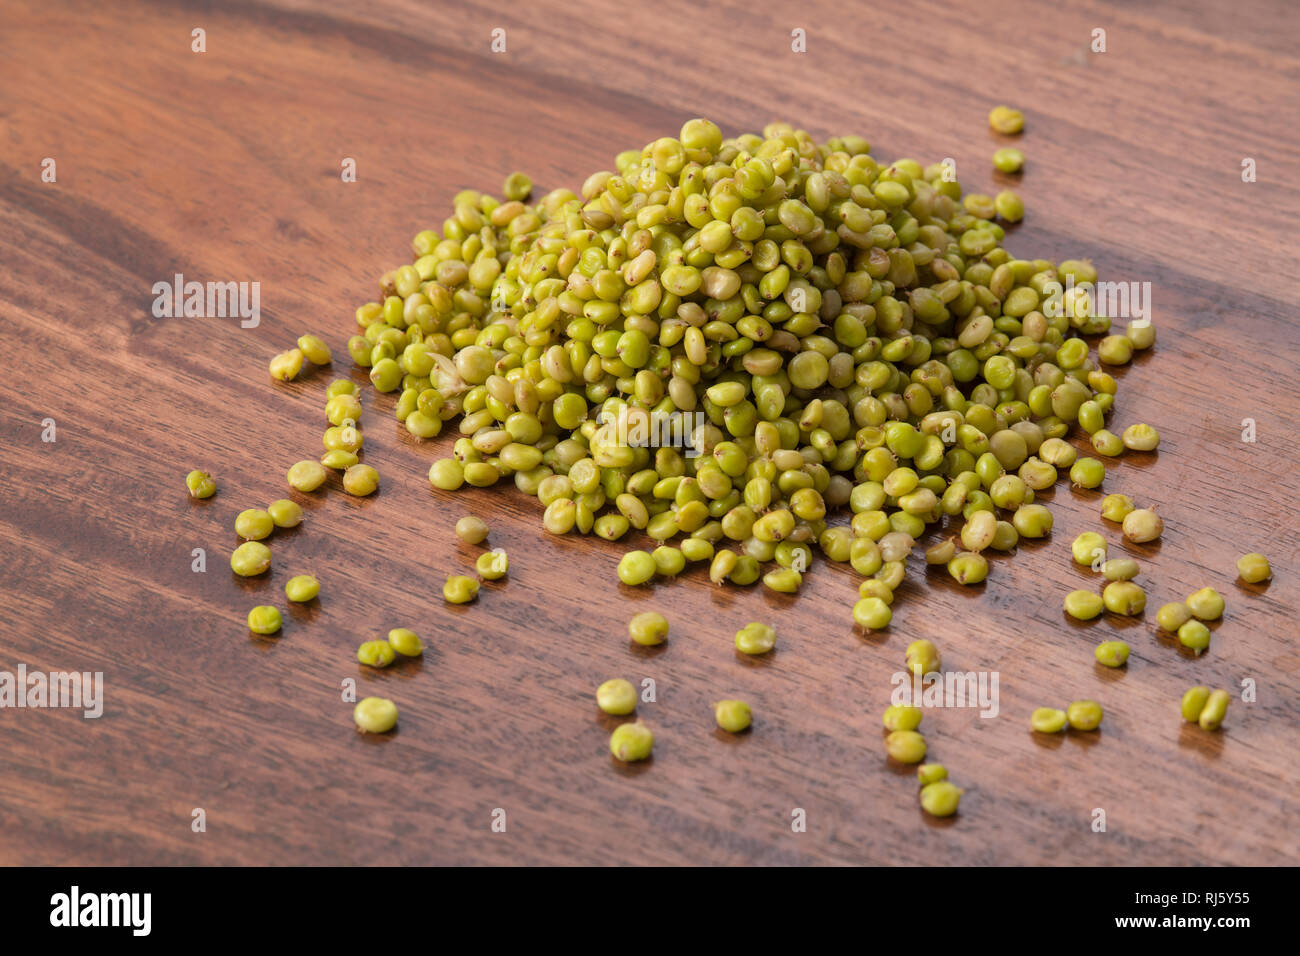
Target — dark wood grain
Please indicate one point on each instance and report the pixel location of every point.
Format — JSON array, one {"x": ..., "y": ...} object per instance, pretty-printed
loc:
[{"x": 225, "y": 166}]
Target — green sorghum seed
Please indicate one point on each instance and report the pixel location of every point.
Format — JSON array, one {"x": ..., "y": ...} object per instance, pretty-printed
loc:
[
  {"x": 922, "y": 657},
  {"x": 616, "y": 696},
  {"x": 1206, "y": 604},
  {"x": 1141, "y": 438},
  {"x": 406, "y": 642},
  {"x": 1008, "y": 160},
  {"x": 1194, "y": 636},
  {"x": 1215, "y": 709},
  {"x": 1088, "y": 549},
  {"x": 286, "y": 365},
  {"x": 755, "y": 638},
  {"x": 285, "y": 513},
  {"x": 1142, "y": 525},
  {"x": 339, "y": 460},
  {"x": 472, "y": 530},
  {"x": 1120, "y": 569},
  {"x": 446, "y": 474},
  {"x": 1083, "y": 605},
  {"x": 375, "y": 715},
  {"x": 1088, "y": 473},
  {"x": 1084, "y": 715},
  {"x": 733, "y": 716},
  {"x": 968, "y": 567},
  {"x": 630, "y": 742},
  {"x": 253, "y": 524},
  {"x": 200, "y": 484},
  {"x": 492, "y": 565},
  {"x": 1254, "y": 568},
  {"x": 648, "y": 628},
  {"x": 1009, "y": 206},
  {"x": 1124, "y": 597},
  {"x": 1173, "y": 615},
  {"x": 516, "y": 187},
  {"x": 376, "y": 653},
  {"x": 1112, "y": 653},
  {"x": 902, "y": 717},
  {"x": 1107, "y": 443},
  {"x": 301, "y": 588},
  {"x": 459, "y": 589},
  {"x": 942, "y": 552},
  {"x": 264, "y": 619},
  {"x": 785, "y": 580},
  {"x": 940, "y": 799},
  {"x": 905, "y": 746},
  {"x": 670, "y": 562},
  {"x": 929, "y": 773},
  {"x": 1032, "y": 521},
  {"x": 1006, "y": 120},
  {"x": 314, "y": 349},
  {"x": 636, "y": 567},
  {"x": 1048, "y": 720},
  {"x": 1116, "y": 507},
  {"x": 250, "y": 558},
  {"x": 1193, "y": 703},
  {"x": 1115, "y": 350},
  {"x": 872, "y": 614},
  {"x": 360, "y": 480}
]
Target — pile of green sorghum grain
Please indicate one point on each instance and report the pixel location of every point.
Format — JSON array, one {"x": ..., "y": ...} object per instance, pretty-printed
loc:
[{"x": 851, "y": 334}]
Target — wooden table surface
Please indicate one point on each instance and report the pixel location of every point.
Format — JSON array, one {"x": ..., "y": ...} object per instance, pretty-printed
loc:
[{"x": 225, "y": 166}]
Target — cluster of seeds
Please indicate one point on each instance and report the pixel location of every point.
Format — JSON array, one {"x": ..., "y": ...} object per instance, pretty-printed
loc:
[
  {"x": 905, "y": 744},
  {"x": 1082, "y": 715}
]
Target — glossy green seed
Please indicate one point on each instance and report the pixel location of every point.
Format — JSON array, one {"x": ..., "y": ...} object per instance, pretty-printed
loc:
[
  {"x": 1089, "y": 549},
  {"x": 755, "y": 638},
  {"x": 376, "y": 653},
  {"x": 1194, "y": 636},
  {"x": 1088, "y": 473},
  {"x": 733, "y": 716},
  {"x": 314, "y": 349},
  {"x": 631, "y": 742},
  {"x": 1254, "y": 568},
  {"x": 360, "y": 480},
  {"x": 406, "y": 642},
  {"x": 1032, "y": 521},
  {"x": 1009, "y": 160},
  {"x": 250, "y": 559},
  {"x": 940, "y": 799},
  {"x": 905, "y": 746},
  {"x": 492, "y": 565},
  {"x": 446, "y": 474},
  {"x": 1084, "y": 715},
  {"x": 1141, "y": 438},
  {"x": 301, "y": 588},
  {"x": 339, "y": 460},
  {"x": 200, "y": 484},
  {"x": 1206, "y": 604},
  {"x": 264, "y": 619},
  {"x": 459, "y": 589},
  {"x": 968, "y": 567},
  {"x": 1124, "y": 597},
  {"x": 636, "y": 567},
  {"x": 253, "y": 524},
  {"x": 1120, "y": 569},
  {"x": 1006, "y": 120},
  {"x": 375, "y": 715},
  {"x": 1143, "y": 525},
  {"x": 285, "y": 513},
  {"x": 1215, "y": 709},
  {"x": 1193, "y": 703},
  {"x": 1083, "y": 605},
  {"x": 1048, "y": 720},
  {"x": 1112, "y": 653},
  {"x": 286, "y": 365},
  {"x": 922, "y": 657},
  {"x": 929, "y": 773},
  {"x": 872, "y": 614},
  {"x": 785, "y": 580},
  {"x": 1009, "y": 206},
  {"x": 616, "y": 696},
  {"x": 902, "y": 717},
  {"x": 648, "y": 628},
  {"x": 472, "y": 530},
  {"x": 1172, "y": 616},
  {"x": 1116, "y": 507}
]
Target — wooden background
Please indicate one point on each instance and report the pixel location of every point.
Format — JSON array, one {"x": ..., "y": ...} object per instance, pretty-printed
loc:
[{"x": 225, "y": 166}]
